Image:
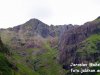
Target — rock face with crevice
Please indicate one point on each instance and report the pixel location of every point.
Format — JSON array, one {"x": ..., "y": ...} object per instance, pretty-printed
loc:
[
  {"x": 72, "y": 40},
  {"x": 25, "y": 35}
]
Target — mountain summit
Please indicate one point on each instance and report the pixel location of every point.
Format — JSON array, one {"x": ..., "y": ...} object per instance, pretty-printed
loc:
[{"x": 34, "y": 28}]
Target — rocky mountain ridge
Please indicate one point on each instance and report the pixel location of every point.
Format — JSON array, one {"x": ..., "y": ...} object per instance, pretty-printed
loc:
[
  {"x": 24, "y": 35},
  {"x": 74, "y": 40},
  {"x": 36, "y": 47}
]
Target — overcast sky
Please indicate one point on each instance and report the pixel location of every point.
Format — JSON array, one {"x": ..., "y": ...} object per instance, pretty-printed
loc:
[{"x": 15, "y": 12}]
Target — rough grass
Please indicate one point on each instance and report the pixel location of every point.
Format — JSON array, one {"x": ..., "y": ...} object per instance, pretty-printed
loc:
[
  {"x": 5, "y": 66},
  {"x": 89, "y": 49},
  {"x": 41, "y": 61},
  {"x": 89, "y": 45},
  {"x": 47, "y": 64}
]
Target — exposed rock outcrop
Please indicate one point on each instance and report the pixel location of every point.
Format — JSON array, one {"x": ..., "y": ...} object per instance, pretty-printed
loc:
[
  {"x": 70, "y": 40},
  {"x": 23, "y": 36}
]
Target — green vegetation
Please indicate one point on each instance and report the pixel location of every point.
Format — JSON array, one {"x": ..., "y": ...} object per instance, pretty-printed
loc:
[
  {"x": 37, "y": 61},
  {"x": 43, "y": 60},
  {"x": 5, "y": 68},
  {"x": 5, "y": 65},
  {"x": 89, "y": 50},
  {"x": 90, "y": 45},
  {"x": 47, "y": 63}
]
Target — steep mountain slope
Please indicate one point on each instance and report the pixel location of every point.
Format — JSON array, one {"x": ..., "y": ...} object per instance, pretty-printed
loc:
[
  {"x": 34, "y": 47},
  {"x": 81, "y": 44},
  {"x": 37, "y": 61},
  {"x": 26, "y": 35},
  {"x": 6, "y": 68}
]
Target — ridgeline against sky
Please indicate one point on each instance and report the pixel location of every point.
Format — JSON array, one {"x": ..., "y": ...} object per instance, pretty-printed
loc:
[{"x": 15, "y": 12}]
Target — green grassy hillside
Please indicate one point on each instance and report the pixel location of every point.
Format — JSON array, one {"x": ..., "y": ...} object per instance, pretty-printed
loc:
[
  {"x": 5, "y": 68},
  {"x": 37, "y": 61},
  {"x": 89, "y": 52},
  {"x": 90, "y": 46},
  {"x": 5, "y": 65}
]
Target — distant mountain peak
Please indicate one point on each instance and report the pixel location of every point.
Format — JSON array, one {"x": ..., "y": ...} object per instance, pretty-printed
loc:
[
  {"x": 36, "y": 23},
  {"x": 34, "y": 19}
]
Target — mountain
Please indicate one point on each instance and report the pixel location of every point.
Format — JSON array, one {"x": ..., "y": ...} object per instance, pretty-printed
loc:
[
  {"x": 80, "y": 45},
  {"x": 26, "y": 35},
  {"x": 33, "y": 47}
]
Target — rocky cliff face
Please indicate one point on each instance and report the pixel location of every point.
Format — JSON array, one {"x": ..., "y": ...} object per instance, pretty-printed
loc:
[
  {"x": 1, "y": 45},
  {"x": 71, "y": 41},
  {"x": 25, "y": 35}
]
